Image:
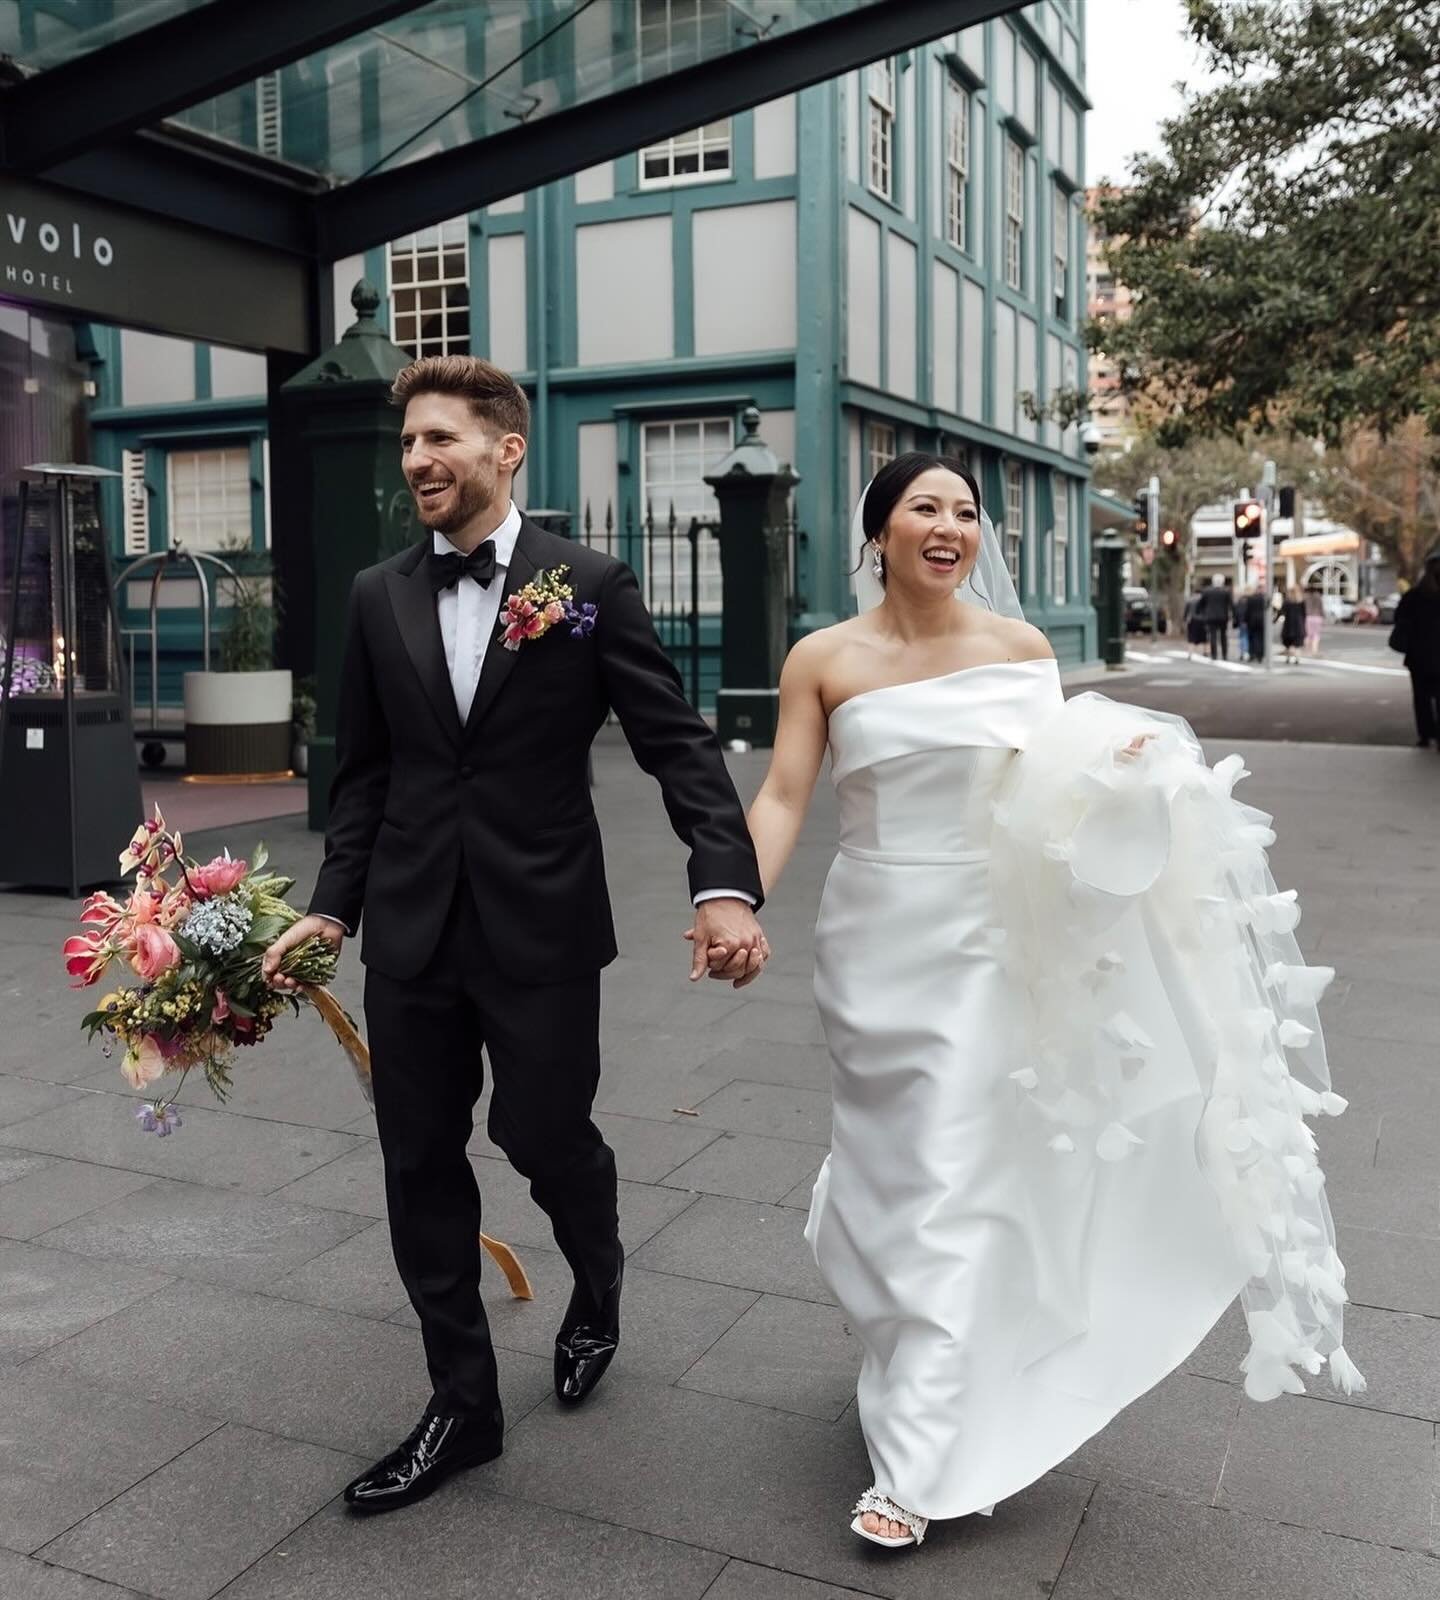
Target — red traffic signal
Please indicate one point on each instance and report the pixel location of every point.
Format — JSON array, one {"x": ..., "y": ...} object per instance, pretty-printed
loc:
[
  {"x": 1246, "y": 515},
  {"x": 1168, "y": 538}
]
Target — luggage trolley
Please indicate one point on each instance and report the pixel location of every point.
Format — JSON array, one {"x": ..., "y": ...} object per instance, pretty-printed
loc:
[{"x": 152, "y": 752}]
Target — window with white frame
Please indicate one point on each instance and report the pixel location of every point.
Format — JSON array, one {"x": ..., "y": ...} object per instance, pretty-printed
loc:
[
  {"x": 674, "y": 458},
  {"x": 1061, "y": 232},
  {"x": 430, "y": 290},
  {"x": 880, "y": 135},
  {"x": 1014, "y": 214},
  {"x": 880, "y": 447},
  {"x": 209, "y": 498},
  {"x": 700, "y": 156},
  {"x": 957, "y": 162},
  {"x": 679, "y": 33},
  {"x": 1014, "y": 518},
  {"x": 1060, "y": 543}
]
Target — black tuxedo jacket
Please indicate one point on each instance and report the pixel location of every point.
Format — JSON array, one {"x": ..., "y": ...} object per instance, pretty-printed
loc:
[{"x": 418, "y": 800}]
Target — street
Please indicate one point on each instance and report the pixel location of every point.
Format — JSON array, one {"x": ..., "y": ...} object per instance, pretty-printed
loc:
[{"x": 1355, "y": 692}]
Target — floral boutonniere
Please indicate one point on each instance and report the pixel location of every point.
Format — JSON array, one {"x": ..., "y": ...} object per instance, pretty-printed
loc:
[{"x": 546, "y": 600}]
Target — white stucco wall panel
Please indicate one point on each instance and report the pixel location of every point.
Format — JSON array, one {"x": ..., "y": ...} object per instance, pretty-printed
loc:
[
  {"x": 744, "y": 278},
  {"x": 506, "y": 300},
  {"x": 625, "y": 291},
  {"x": 775, "y": 138},
  {"x": 862, "y": 309},
  {"x": 900, "y": 316},
  {"x": 155, "y": 370}
]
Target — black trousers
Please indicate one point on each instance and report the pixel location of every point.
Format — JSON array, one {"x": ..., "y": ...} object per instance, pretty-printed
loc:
[
  {"x": 1425, "y": 689},
  {"x": 1219, "y": 640},
  {"x": 543, "y": 1045}
]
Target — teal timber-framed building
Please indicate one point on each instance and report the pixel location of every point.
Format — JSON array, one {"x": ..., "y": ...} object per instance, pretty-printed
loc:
[{"x": 890, "y": 259}]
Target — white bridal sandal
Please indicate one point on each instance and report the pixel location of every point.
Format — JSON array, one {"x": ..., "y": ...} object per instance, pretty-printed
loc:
[{"x": 883, "y": 1506}]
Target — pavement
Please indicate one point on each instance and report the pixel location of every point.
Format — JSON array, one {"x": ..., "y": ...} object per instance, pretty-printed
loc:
[{"x": 203, "y": 1337}]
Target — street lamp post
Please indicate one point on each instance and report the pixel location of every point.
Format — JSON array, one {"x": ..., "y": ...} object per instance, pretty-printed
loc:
[{"x": 1267, "y": 501}]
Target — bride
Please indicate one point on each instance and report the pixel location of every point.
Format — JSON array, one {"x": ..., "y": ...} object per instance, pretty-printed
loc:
[{"x": 1071, "y": 1035}]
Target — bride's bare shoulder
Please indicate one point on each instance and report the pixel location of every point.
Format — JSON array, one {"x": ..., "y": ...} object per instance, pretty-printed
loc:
[
  {"x": 817, "y": 651},
  {"x": 1019, "y": 641}
]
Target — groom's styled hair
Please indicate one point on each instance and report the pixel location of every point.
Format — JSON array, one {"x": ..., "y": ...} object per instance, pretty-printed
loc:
[{"x": 495, "y": 397}]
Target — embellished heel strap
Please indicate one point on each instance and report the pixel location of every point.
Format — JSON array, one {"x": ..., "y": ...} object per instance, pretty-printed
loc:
[{"x": 883, "y": 1506}]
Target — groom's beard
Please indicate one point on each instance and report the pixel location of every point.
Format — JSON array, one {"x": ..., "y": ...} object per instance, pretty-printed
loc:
[{"x": 468, "y": 500}]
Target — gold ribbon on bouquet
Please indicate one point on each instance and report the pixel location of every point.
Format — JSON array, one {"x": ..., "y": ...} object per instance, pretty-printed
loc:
[{"x": 358, "y": 1053}]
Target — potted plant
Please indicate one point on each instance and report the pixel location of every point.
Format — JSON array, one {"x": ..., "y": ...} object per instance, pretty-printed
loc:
[
  {"x": 238, "y": 719},
  {"x": 302, "y": 724}
]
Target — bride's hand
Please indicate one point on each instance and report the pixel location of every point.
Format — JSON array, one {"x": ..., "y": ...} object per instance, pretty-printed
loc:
[{"x": 1135, "y": 747}]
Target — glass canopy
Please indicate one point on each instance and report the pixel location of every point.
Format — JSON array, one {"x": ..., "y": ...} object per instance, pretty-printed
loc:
[
  {"x": 452, "y": 72},
  {"x": 38, "y": 37}
]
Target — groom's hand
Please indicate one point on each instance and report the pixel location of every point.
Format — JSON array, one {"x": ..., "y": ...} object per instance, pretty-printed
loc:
[
  {"x": 728, "y": 942},
  {"x": 297, "y": 933}
]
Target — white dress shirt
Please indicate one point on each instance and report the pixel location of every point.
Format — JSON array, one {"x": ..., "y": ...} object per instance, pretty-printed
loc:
[
  {"x": 469, "y": 615},
  {"x": 469, "y": 618}
]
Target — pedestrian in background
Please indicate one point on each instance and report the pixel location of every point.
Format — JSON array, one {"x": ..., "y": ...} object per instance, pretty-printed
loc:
[
  {"x": 1314, "y": 619},
  {"x": 1194, "y": 623},
  {"x": 1242, "y": 630},
  {"x": 1215, "y": 612},
  {"x": 1416, "y": 635},
  {"x": 1293, "y": 623},
  {"x": 1255, "y": 603}
]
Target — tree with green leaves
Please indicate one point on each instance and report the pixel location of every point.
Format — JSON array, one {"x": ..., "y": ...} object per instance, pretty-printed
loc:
[{"x": 1283, "y": 248}]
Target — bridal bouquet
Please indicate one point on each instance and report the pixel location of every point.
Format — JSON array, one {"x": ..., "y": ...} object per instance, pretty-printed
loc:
[{"x": 194, "y": 936}]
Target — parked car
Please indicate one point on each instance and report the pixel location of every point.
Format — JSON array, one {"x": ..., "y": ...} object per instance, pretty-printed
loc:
[
  {"x": 1140, "y": 617},
  {"x": 1367, "y": 610},
  {"x": 1338, "y": 608},
  {"x": 1387, "y": 607}
]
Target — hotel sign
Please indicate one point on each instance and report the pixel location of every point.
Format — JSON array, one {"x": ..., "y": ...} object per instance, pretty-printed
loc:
[{"x": 70, "y": 252}]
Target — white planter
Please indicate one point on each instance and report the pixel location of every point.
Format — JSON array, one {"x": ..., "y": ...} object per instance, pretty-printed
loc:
[{"x": 237, "y": 723}]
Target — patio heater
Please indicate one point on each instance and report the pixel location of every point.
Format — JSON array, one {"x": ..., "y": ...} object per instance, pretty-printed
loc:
[{"x": 69, "y": 785}]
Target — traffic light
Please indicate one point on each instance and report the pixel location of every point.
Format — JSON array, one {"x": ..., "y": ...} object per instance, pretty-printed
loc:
[
  {"x": 1169, "y": 538},
  {"x": 1245, "y": 553},
  {"x": 1246, "y": 516},
  {"x": 1142, "y": 516},
  {"x": 1287, "y": 500}
]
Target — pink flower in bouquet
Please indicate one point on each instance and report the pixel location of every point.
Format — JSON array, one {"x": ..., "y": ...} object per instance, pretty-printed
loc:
[
  {"x": 152, "y": 952},
  {"x": 175, "y": 907},
  {"x": 87, "y": 955},
  {"x": 217, "y": 877},
  {"x": 143, "y": 907},
  {"x": 555, "y": 612},
  {"x": 145, "y": 1062},
  {"x": 221, "y": 1009},
  {"x": 104, "y": 910}
]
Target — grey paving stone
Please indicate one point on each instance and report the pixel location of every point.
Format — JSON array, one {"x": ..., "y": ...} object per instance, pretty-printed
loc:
[
  {"x": 738, "y": 1242},
  {"x": 358, "y": 1276},
  {"x": 48, "y": 1295},
  {"x": 214, "y": 1147},
  {"x": 68, "y": 1448},
  {"x": 348, "y": 1383},
  {"x": 667, "y": 1323},
  {"x": 1171, "y": 1440},
  {"x": 780, "y": 1021},
  {"x": 1377, "y": 1197},
  {"x": 354, "y": 1181},
  {"x": 775, "y": 1110},
  {"x": 1339, "y": 1468},
  {"x": 1348, "y": 1141},
  {"x": 746, "y": 1166},
  {"x": 1135, "y": 1546},
  {"x": 27, "y": 1097},
  {"x": 1408, "y": 1142},
  {"x": 651, "y": 1083},
  {"x": 772, "y": 1488},
  {"x": 1395, "y": 1271},
  {"x": 177, "y": 1534},
  {"x": 800, "y": 1066},
  {"x": 215, "y": 1235},
  {"x": 790, "y": 1354},
  {"x": 510, "y": 1214},
  {"x": 646, "y": 1151},
  {"x": 306, "y": 1081},
  {"x": 59, "y": 1191},
  {"x": 469, "y": 1542},
  {"x": 743, "y": 1580},
  {"x": 20, "y": 1163},
  {"x": 801, "y": 1195},
  {"x": 23, "y": 1578}
]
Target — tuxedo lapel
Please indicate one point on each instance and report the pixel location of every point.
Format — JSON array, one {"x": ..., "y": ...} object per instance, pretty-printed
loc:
[
  {"x": 412, "y": 598},
  {"x": 499, "y": 662}
]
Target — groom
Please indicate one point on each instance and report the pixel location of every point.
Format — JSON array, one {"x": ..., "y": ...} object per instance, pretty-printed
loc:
[{"x": 461, "y": 827}]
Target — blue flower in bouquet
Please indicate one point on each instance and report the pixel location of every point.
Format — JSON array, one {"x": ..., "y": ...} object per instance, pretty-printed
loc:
[
  {"x": 218, "y": 925},
  {"x": 158, "y": 1119},
  {"x": 581, "y": 619}
]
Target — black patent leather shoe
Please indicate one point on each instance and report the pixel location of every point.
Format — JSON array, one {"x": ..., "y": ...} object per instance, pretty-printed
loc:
[
  {"x": 586, "y": 1343},
  {"x": 437, "y": 1447}
]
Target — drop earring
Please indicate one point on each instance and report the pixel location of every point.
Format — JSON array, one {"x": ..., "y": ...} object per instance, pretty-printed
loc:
[{"x": 877, "y": 564}]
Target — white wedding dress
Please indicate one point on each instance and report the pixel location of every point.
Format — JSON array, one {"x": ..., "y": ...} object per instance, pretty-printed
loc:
[{"x": 1055, "y": 988}]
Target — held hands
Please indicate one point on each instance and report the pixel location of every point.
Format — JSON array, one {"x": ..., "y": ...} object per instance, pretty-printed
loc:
[
  {"x": 297, "y": 933},
  {"x": 728, "y": 942}
]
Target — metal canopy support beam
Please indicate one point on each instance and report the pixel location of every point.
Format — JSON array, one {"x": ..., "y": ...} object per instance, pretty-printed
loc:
[
  {"x": 355, "y": 217},
  {"x": 141, "y": 79}
]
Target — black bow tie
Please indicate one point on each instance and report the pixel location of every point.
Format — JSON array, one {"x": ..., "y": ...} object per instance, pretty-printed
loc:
[{"x": 447, "y": 569}]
